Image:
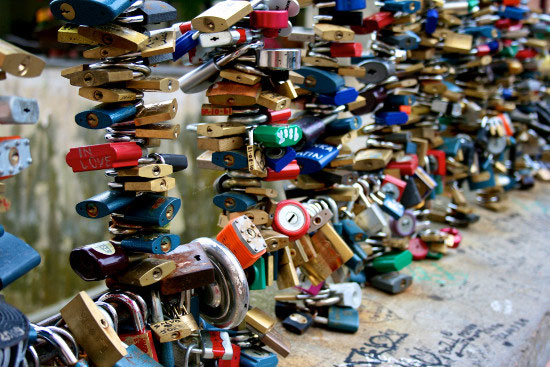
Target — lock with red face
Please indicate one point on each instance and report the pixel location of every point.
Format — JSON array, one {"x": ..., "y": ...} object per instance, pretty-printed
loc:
[
  {"x": 291, "y": 219},
  {"x": 406, "y": 165},
  {"x": 269, "y": 21},
  {"x": 393, "y": 186},
  {"x": 104, "y": 156},
  {"x": 290, "y": 172},
  {"x": 439, "y": 155},
  {"x": 348, "y": 49}
]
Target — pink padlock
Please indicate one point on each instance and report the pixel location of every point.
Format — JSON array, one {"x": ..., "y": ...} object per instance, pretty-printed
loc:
[
  {"x": 455, "y": 233},
  {"x": 269, "y": 21}
]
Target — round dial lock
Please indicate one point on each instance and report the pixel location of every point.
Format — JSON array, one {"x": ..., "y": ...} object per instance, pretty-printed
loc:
[
  {"x": 496, "y": 144},
  {"x": 418, "y": 248},
  {"x": 390, "y": 189},
  {"x": 291, "y": 219},
  {"x": 405, "y": 225}
]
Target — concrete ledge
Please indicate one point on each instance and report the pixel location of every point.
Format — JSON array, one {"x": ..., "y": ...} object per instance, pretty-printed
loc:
[{"x": 485, "y": 304}]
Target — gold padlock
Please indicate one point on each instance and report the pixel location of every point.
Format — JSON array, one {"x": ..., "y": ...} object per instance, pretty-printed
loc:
[
  {"x": 220, "y": 144},
  {"x": 114, "y": 35},
  {"x": 160, "y": 84},
  {"x": 146, "y": 272},
  {"x": 96, "y": 77},
  {"x": 221, "y": 16},
  {"x": 18, "y": 62},
  {"x": 154, "y": 170},
  {"x": 331, "y": 32},
  {"x": 157, "y": 185},
  {"x": 156, "y": 112}
]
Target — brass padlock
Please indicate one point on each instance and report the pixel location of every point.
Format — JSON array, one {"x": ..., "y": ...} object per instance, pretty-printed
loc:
[
  {"x": 146, "y": 272},
  {"x": 115, "y": 36},
  {"x": 18, "y": 62},
  {"x": 156, "y": 112},
  {"x": 221, "y": 16}
]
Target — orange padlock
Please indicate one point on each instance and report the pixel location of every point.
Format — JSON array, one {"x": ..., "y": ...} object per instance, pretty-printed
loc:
[{"x": 244, "y": 240}]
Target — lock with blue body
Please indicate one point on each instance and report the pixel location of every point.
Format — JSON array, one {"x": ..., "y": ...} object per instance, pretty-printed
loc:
[
  {"x": 258, "y": 357},
  {"x": 432, "y": 17},
  {"x": 486, "y": 31},
  {"x": 89, "y": 12},
  {"x": 16, "y": 258},
  {"x": 234, "y": 159},
  {"x": 391, "y": 206},
  {"x": 405, "y": 41},
  {"x": 352, "y": 232},
  {"x": 344, "y": 319},
  {"x": 349, "y": 5},
  {"x": 320, "y": 81},
  {"x": 515, "y": 13},
  {"x": 278, "y": 158},
  {"x": 153, "y": 244},
  {"x": 484, "y": 179},
  {"x": 234, "y": 201},
  {"x": 451, "y": 146},
  {"x": 105, "y": 115},
  {"x": 400, "y": 99},
  {"x": 355, "y": 264},
  {"x": 152, "y": 209},
  {"x": 136, "y": 357},
  {"x": 343, "y": 96},
  {"x": 390, "y": 118},
  {"x": 103, "y": 204},
  {"x": 185, "y": 43},
  {"x": 404, "y": 6},
  {"x": 343, "y": 126},
  {"x": 316, "y": 157}
]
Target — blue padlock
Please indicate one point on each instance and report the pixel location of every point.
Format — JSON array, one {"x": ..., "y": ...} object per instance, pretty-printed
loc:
[
  {"x": 515, "y": 13},
  {"x": 494, "y": 46},
  {"x": 405, "y": 41},
  {"x": 450, "y": 146},
  {"x": 406, "y": 6},
  {"x": 400, "y": 100},
  {"x": 484, "y": 179},
  {"x": 234, "y": 201},
  {"x": 355, "y": 264},
  {"x": 343, "y": 96},
  {"x": 451, "y": 87},
  {"x": 432, "y": 17},
  {"x": 410, "y": 147},
  {"x": 343, "y": 126},
  {"x": 358, "y": 250},
  {"x": 16, "y": 258},
  {"x": 104, "y": 115},
  {"x": 104, "y": 204},
  {"x": 340, "y": 318},
  {"x": 152, "y": 243},
  {"x": 390, "y": 206},
  {"x": 320, "y": 81},
  {"x": 316, "y": 158},
  {"x": 234, "y": 159},
  {"x": 152, "y": 209},
  {"x": 352, "y": 232},
  {"x": 278, "y": 158},
  {"x": 482, "y": 31},
  {"x": 360, "y": 277},
  {"x": 258, "y": 357},
  {"x": 389, "y": 118},
  {"x": 349, "y": 5},
  {"x": 89, "y": 12},
  {"x": 185, "y": 43},
  {"x": 136, "y": 357}
]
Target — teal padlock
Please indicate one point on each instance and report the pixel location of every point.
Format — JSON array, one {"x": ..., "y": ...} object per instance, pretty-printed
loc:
[
  {"x": 393, "y": 261},
  {"x": 256, "y": 275}
]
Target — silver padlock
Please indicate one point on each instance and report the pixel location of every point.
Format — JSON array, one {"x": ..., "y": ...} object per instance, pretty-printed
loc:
[
  {"x": 376, "y": 70},
  {"x": 280, "y": 59},
  {"x": 15, "y": 156},
  {"x": 372, "y": 219},
  {"x": 319, "y": 213},
  {"x": 302, "y": 34},
  {"x": 18, "y": 110}
]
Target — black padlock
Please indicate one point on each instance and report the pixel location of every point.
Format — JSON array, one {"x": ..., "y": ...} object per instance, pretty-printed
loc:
[
  {"x": 297, "y": 322},
  {"x": 411, "y": 196},
  {"x": 336, "y": 176},
  {"x": 373, "y": 98},
  {"x": 284, "y": 309},
  {"x": 393, "y": 282},
  {"x": 341, "y": 17},
  {"x": 151, "y": 12}
]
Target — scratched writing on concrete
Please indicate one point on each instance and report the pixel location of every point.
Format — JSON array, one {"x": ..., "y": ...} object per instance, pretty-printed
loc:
[{"x": 389, "y": 348}]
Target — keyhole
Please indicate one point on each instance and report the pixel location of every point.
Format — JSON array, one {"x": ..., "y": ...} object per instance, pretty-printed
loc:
[
  {"x": 156, "y": 172},
  {"x": 92, "y": 120},
  {"x": 198, "y": 257},
  {"x": 98, "y": 95},
  {"x": 88, "y": 78},
  {"x": 292, "y": 218},
  {"x": 371, "y": 71},
  {"x": 14, "y": 156}
]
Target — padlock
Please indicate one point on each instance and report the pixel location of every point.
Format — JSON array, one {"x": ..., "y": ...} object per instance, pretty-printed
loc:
[
  {"x": 16, "y": 258},
  {"x": 291, "y": 219},
  {"x": 230, "y": 159},
  {"x": 256, "y": 356},
  {"x": 15, "y": 155},
  {"x": 391, "y": 262},
  {"x": 405, "y": 225},
  {"x": 234, "y": 201},
  {"x": 407, "y": 7},
  {"x": 392, "y": 186},
  {"x": 18, "y": 62},
  {"x": 375, "y": 22},
  {"x": 140, "y": 337},
  {"x": 279, "y": 59},
  {"x": 98, "y": 339},
  {"x": 316, "y": 158},
  {"x": 337, "y": 176},
  {"x": 256, "y": 275},
  {"x": 105, "y": 115},
  {"x": 277, "y": 136},
  {"x": 320, "y": 81},
  {"x": 297, "y": 322},
  {"x": 221, "y": 16},
  {"x": 405, "y": 41},
  {"x": 349, "y": 293},
  {"x": 389, "y": 118},
  {"x": 227, "y": 93},
  {"x": 216, "y": 345},
  {"x": 244, "y": 239},
  {"x": 411, "y": 196},
  {"x": 235, "y": 360},
  {"x": 193, "y": 269},
  {"x": 150, "y": 243},
  {"x": 340, "y": 97},
  {"x": 371, "y": 159},
  {"x": 371, "y": 219},
  {"x": 312, "y": 128},
  {"x": 269, "y": 21},
  {"x": 103, "y": 156},
  {"x": 388, "y": 205},
  {"x": 344, "y": 125},
  {"x": 345, "y": 319},
  {"x": 18, "y": 110},
  {"x": 135, "y": 355},
  {"x": 151, "y": 209},
  {"x": 168, "y": 330},
  {"x": 392, "y": 282},
  {"x": 89, "y": 13},
  {"x": 278, "y": 158},
  {"x": 406, "y": 165}
]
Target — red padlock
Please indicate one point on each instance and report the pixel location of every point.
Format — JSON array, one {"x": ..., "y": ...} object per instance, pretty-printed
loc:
[
  {"x": 405, "y": 108},
  {"x": 347, "y": 49},
  {"x": 235, "y": 361},
  {"x": 441, "y": 161},
  {"x": 104, "y": 156},
  {"x": 216, "y": 345},
  {"x": 511, "y": 2},
  {"x": 290, "y": 172},
  {"x": 184, "y": 27},
  {"x": 406, "y": 165},
  {"x": 527, "y": 53},
  {"x": 393, "y": 185},
  {"x": 279, "y": 117},
  {"x": 455, "y": 233},
  {"x": 243, "y": 239},
  {"x": 483, "y": 50},
  {"x": 270, "y": 21},
  {"x": 291, "y": 219},
  {"x": 377, "y": 21},
  {"x": 418, "y": 248},
  {"x": 141, "y": 338}
]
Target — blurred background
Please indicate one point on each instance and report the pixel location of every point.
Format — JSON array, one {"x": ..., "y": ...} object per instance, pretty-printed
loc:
[{"x": 44, "y": 195}]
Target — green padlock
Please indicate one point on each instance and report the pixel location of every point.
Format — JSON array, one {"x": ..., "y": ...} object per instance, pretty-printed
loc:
[
  {"x": 394, "y": 261},
  {"x": 509, "y": 51},
  {"x": 257, "y": 272},
  {"x": 277, "y": 136}
]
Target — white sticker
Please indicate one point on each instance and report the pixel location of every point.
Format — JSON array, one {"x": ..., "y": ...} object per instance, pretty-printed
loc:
[{"x": 104, "y": 247}]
